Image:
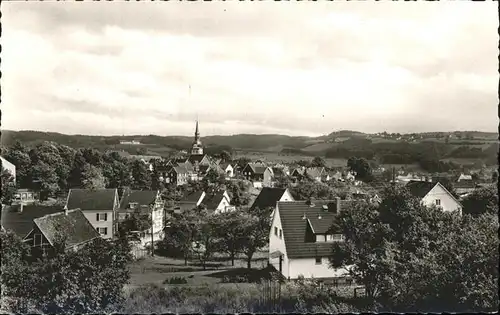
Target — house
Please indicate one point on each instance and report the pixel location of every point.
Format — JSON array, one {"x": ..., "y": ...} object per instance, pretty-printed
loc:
[
  {"x": 268, "y": 197},
  {"x": 99, "y": 207},
  {"x": 464, "y": 177},
  {"x": 19, "y": 218},
  {"x": 228, "y": 169},
  {"x": 69, "y": 226},
  {"x": 146, "y": 202},
  {"x": 350, "y": 176},
  {"x": 201, "y": 159},
  {"x": 217, "y": 202},
  {"x": 337, "y": 175},
  {"x": 465, "y": 186},
  {"x": 177, "y": 175},
  {"x": 191, "y": 201},
  {"x": 6, "y": 165},
  {"x": 127, "y": 142},
  {"x": 259, "y": 174},
  {"x": 25, "y": 196},
  {"x": 301, "y": 237},
  {"x": 434, "y": 194}
]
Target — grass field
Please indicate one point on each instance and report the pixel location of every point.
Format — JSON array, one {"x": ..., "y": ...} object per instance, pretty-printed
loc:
[{"x": 155, "y": 270}]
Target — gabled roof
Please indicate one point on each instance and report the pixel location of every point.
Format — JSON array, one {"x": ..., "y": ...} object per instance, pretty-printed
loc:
[
  {"x": 179, "y": 169},
  {"x": 21, "y": 223},
  {"x": 141, "y": 197},
  {"x": 192, "y": 197},
  {"x": 73, "y": 226},
  {"x": 465, "y": 183},
  {"x": 419, "y": 189},
  {"x": 88, "y": 199},
  {"x": 213, "y": 200},
  {"x": 268, "y": 197},
  {"x": 224, "y": 166},
  {"x": 315, "y": 171},
  {"x": 295, "y": 227},
  {"x": 6, "y": 163},
  {"x": 196, "y": 158},
  {"x": 257, "y": 168}
]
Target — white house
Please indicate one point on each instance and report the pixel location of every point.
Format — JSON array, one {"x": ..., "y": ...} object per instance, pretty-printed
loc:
[
  {"x": 191, "y": 201},
  {"x": 434, "y": 194},
  {"x": 464, "y": 177},
  {"x": 9, "y": 167},
  {"x": 217, "y": 201},
  {"x": 227, "y": 169},
  {"x": 148, "y": 202},
  {"x": 301, "y": 237}
]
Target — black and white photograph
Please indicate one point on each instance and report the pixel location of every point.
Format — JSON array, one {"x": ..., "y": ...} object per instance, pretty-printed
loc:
[{"x": 249, "y": 157}]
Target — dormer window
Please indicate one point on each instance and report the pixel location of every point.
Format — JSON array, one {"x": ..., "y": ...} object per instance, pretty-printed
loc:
[
  {"x": 133, "y": 205},
  {"x": 335, "y": 237}
]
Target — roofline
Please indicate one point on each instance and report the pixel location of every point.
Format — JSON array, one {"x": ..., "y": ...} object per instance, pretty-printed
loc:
[
  {"x": 449, "y": 193},
  {"x": 310, "y": 224}
]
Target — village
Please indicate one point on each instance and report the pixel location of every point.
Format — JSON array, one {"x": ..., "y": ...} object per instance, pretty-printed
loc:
[{"x": 297, "y": 238}]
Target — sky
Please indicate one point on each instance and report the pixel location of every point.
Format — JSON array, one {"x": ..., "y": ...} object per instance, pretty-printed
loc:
[{"x": 294, "y": 68}]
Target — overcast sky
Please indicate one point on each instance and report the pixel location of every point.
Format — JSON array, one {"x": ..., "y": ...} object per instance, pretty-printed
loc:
[{"x": 296, "y": 68}]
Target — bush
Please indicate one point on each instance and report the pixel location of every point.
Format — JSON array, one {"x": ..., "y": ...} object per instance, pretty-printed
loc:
[{"x": 175, "y": 280}]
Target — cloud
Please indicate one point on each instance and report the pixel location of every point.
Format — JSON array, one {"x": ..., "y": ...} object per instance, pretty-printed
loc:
[{"x": 293, "y": 68}]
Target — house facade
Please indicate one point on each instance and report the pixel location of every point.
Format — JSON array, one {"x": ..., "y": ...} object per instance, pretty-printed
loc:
[
  {"x": 301, "y": 239},
  {"x": 259, "y": 174},
  {"x": 227, "y": 169},
  {"x": 99, "y": 207},
  {"x": 191, "y": 201},
  {"x": 177, "y": 175},
  {"x": 434, "y": 194},
  {"x": 147, "y": 202}
]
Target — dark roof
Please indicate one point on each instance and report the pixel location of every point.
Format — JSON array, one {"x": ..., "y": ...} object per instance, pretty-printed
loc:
[
  {"x": 279, "y": 171},
  {"x": 192, "y": 197},
  {"x": 212, "y": 200},
  {"x": 88, "y": 199},
  {"x": 141, "y": 197},
  {"x": 196, "y": 158},
  {"x": 21, "y": 223},
  {"x": 465, "y": 183},
  {"x": 295, "y": 228},
  {"x": 73, "y": 225},
  {"x": 419, "y": 188},
  {"x": 268, "y": 197},
  {"x": 258, "y": 168}
]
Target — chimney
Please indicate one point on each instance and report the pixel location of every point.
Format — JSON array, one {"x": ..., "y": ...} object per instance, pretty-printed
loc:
[
  {"x": 338, "y": 204},
  {"x": 319, "y": 216},
  {"x": 66, "y": 210},
  {"x": 304, "y": 216}
]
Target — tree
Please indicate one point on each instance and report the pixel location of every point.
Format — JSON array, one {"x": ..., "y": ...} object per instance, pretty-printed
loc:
[
  {"x": 8, "y": 187},
  {"x": 318, "y": 162},
  {"x": 45, "y": 180},
  {"x": 484, "y": 200},
  {"x": 364, "y": 248},
  {"x": 206, "y": 242},
  {"x": 75, "y": 177},
  {"x": 92, "y": 178},
  {"x": 225, "y": 156},
  {"x": 312, "y": 189},
  {"x": 231, "y": 231},
  {"x": 239, "y": 193},
  {"x": 213, "y": 178},
  {"x": 116, "y": 170},
  {"x": 18, "y": 155},
  {"x": 494, "y": 177},
  {"x": 93, "y": 157},
  {"x": 136, "y": 222},
  {"x": 361, "y": 167},
  {"x": 256, "y": 232},
  {"x": 141, "y": 177},
  {"x": 85, "y": 281}
]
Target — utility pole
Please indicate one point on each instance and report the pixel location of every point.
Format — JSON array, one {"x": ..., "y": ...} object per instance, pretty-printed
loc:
[{"x": 152, "y": 231}]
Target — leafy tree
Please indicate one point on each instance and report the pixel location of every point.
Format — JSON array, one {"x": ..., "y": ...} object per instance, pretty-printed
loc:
[
  {"x": 8, "y": 187},
  {"x": 206, "y": 242},
  {"x": 92, "y": 178},
  {"x": 116, "y": 170},
  {"x": 213, "y": 178},
  {"x": 75, "y": 177},
  {"x": 239, "y": 193},
  {"x": 312, "y": 189},
  {"x": 141, "y": 176},
  {"x": 92, "y": 156},
  {"x": 225, "y": 156},
  {"x": 494, "y": 177},
  {"x": 318, "y": 162},
  {"x": 134, "y": 222},
  {"x": 18, "y": 155},
  {"x": 361, "y": 167},
  {"x": 45, "y": 180},
  {"x": 231, "y": 232},
  {"x": 88, "y": 280},
  {"x": 256, "y": 232},
  {"x": 484, "y": 200}
]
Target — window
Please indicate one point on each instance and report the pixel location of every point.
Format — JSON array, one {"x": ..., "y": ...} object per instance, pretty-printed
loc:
[
  {"x": 276, "y": 231},
  {"x": 101, "y": 216},
  {"x": 320, "y": 237},
  {"x": 37, "y": 239},
  {"x": 438, "y": 202},
  {"x": 132, "y": 205},
  {"x": 102, "y": 231},
  {"x": 319, "y": 260},
  {"x": 281, "y": 233}
]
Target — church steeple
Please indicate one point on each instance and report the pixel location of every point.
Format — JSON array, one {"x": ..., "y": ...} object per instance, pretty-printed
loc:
[{"x": 197, "y": 148}]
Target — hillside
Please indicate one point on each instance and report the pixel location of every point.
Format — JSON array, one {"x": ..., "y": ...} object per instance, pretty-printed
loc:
[{"x": 342, "y": 144}]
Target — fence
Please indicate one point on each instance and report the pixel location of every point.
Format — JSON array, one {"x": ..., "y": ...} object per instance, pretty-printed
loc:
[{"x": 271, "y": 294}]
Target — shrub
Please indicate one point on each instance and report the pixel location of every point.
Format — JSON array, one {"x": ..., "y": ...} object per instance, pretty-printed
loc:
[{"x": 175, "y": 280}]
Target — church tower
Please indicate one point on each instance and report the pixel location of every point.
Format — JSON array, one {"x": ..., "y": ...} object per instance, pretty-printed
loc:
[{"x": 197, "y": 148}]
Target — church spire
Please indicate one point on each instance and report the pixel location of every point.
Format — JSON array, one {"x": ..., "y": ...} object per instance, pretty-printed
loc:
[{"x": 197, "y": 148}]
